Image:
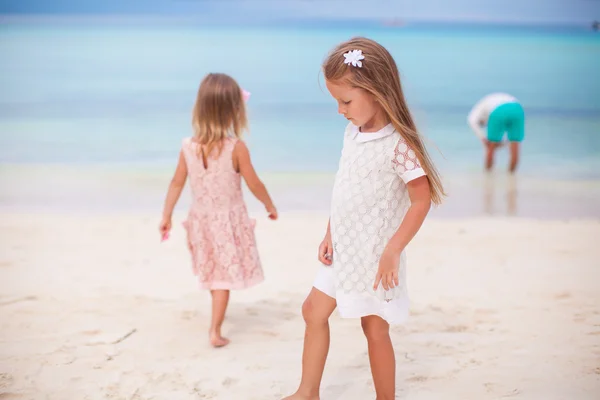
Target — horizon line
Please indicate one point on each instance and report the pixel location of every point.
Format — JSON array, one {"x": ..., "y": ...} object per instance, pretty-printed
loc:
[{"x": 391, "y": 22}]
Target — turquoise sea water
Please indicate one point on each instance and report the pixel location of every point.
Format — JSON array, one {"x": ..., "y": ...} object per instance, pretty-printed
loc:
[{"x": 115, "y": 99}]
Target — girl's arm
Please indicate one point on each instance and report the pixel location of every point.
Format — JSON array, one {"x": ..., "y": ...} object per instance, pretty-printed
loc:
[
  {"x": 175, "y": 188},
  {"x": 420, "y": 199},
  {"x": 246, "y": 169},
  {"x": 420, "y": 203}
]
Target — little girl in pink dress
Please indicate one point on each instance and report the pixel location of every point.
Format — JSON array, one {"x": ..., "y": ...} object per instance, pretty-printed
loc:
[{"x": 220, "y": 233}]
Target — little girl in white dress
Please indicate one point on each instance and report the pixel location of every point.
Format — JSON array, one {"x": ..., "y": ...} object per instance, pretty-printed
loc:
[{"x": 383, "y": 191}]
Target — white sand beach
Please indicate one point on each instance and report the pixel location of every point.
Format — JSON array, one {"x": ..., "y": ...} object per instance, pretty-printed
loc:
[{"x": 93, "y": 306}]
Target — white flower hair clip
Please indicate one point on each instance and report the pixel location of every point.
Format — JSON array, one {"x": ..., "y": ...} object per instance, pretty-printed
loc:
[{"x": 353, "y": 58}]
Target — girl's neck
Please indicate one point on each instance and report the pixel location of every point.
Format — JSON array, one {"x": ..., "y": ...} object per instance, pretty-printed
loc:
[{"x": 375, "y": 124}]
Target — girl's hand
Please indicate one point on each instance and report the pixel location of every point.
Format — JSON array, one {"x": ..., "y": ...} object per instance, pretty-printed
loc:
[
  {"x": 164, "y": 228},
  {"x": 326, "y": 251},
  {"x": 387, "y": 274},
  {"x": 272, "y": 211}
]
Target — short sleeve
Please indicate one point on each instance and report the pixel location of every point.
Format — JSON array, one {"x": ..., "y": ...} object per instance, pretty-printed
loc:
[
  {"x": 186, "y": 143},
  {"x": 186, "y": 148},
  {"x": 405, "y": 162}
]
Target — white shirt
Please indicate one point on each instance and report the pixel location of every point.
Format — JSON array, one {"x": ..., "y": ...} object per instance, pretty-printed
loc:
[
  {"x": 369, "y": 201},
  {"x": 480, "y": 113}
]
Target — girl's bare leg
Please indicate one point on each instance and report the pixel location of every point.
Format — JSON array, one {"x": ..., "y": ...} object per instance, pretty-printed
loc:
[
  {"x": 220, "y": 299},
  {"x": 381, "y": 356},
  {"x": 316, "y": 311}
]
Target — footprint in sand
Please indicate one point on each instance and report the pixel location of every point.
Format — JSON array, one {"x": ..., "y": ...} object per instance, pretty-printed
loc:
[
  {"x": 6, "y": 380},
  {"x": 227, "y": 382},
  {"x": 457, "y": 328},
  {"x": 251, "y": 311},
  {"x": 494, "y": 388},
  {"x": 188, "y": 315},
  {"x": 200, "y": 393},
  {"x": 417, "y": 378},
  {"x": 562, "y": 296},
  {"x": 416, "y": 312}
]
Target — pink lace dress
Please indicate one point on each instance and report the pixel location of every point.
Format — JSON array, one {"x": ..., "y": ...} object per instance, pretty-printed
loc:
[{"x": 220, "y": 232}]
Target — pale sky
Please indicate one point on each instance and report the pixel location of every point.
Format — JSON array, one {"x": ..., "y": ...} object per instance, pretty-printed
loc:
[{"x": 520, "y": 11}]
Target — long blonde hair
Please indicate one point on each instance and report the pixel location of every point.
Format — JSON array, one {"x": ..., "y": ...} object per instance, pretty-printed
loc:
[
  {"x": 380, "y": 77},
  {"x": 219, "y": 112}
]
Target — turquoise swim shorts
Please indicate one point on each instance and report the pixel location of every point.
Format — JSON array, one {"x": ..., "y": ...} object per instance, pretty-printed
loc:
[{"x": 509, "y": 118}]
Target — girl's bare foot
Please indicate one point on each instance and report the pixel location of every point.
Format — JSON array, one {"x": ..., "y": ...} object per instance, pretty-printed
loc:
[{"x": 216, "y": 340}]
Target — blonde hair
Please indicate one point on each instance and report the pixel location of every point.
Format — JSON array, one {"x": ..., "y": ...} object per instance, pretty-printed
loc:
[
  {"x": 379, "y": 76},
  {"x": 219, "y": 112}
]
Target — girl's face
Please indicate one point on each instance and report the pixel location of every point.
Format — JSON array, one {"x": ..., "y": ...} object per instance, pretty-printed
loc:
[{"x": 357, "y": 105}]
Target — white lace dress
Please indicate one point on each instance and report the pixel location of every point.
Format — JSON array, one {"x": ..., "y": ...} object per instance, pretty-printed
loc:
[{"x": 369, "y": 201}]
